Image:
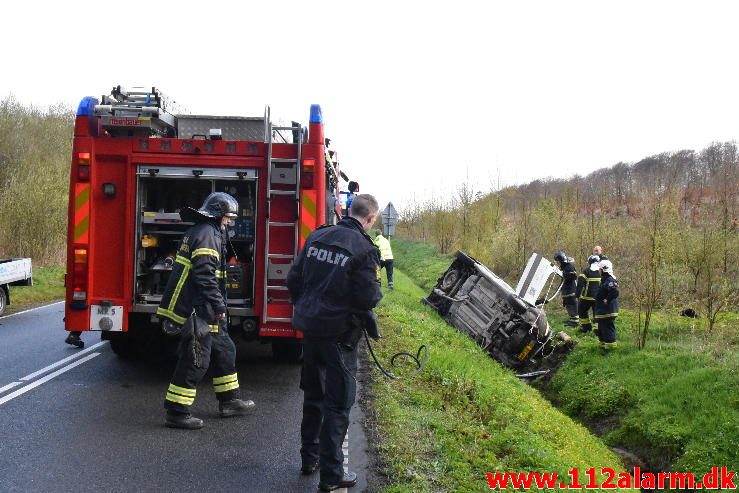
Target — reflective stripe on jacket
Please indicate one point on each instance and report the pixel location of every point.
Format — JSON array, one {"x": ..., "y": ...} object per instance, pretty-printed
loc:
[
  {"x": 198, "y": 278},
  {"x": 606, "y": 301},
  {"x": 588, "y": 284},
  {"x": 569, "y": 280}
]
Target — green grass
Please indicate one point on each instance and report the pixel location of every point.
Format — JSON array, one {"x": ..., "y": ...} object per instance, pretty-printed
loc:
[
  {"x": 48, "y": 285},
  {"x": 464, "y": 415},
  {"x": 420, "y": 262},
  {"x": 674, "y": 403}
]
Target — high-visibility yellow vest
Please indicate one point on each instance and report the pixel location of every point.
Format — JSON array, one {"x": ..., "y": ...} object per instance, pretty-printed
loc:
[{"x": 386, "y": 253}]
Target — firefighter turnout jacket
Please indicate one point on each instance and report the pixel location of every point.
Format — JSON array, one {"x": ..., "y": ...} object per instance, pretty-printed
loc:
[
  {"x": 606, "y": 300},
  {"x": 336, "y": 274},
  {"x": 198, "y": 278},
  {"x": 588, "y": 284},
  {"x": 569, "y": 283}
]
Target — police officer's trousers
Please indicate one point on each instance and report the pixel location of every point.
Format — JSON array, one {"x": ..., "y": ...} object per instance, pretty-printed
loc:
[
  {"x": 329, "y": 383},
  {"x": 582, "y": 310},
  {"x": 216, "y": 350}
]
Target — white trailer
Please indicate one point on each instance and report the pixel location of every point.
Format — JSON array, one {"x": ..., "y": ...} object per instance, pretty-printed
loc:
[{"x": 13, "y": 272}]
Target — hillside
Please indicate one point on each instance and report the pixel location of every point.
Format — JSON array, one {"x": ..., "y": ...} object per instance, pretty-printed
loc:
[
  {"x": 674, "y": 403},
  {"x": 669, "y": 222},
  {"x": 464, "y": 415}
]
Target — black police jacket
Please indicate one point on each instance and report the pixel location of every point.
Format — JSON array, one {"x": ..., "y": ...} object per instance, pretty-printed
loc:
[
  {"x": 606, "y": 301},
  {"x": 569, "y": 282},
  {"x": 336, "y": 274},
  {"x": 198, "y": 278}
]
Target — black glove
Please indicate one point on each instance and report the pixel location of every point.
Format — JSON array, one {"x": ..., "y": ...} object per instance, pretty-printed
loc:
[{"x": 373, "y": 330}]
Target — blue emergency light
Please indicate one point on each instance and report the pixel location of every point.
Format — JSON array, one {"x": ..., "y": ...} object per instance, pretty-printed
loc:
[
  {"x": 87, "y": 106},
  {"x": 316, "y": 115}
]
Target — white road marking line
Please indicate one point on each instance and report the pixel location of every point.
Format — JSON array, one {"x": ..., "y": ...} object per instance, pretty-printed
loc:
[
  {"x": 345, "y": 450},
  {"x": 62, "y": 361},
  {"x": 45, "y": 379},
  {"x": 32, "y": 309},
  {"x": 9, "y": 386}
]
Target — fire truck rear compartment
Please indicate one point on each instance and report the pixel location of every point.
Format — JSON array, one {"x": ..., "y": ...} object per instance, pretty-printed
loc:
[{"x": 159, "y": 230}]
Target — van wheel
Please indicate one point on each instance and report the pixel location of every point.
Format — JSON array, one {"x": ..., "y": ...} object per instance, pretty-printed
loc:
[
  {"x": 287, "y": 352},
  {"x": 3, "y": 300}
]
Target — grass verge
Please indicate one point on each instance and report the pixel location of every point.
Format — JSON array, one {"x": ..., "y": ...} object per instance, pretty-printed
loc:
[
  {"x": 464, "y": 415},
  {"x": 675, "y": 403},
  {"x": 48, "y": 285}
]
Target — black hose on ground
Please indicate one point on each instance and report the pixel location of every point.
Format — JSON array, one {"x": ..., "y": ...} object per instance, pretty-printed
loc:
[{"x": 417, "y": 359}]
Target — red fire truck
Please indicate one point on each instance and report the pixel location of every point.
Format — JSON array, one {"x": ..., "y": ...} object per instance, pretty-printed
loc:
[{"x": 135, "y": 164}]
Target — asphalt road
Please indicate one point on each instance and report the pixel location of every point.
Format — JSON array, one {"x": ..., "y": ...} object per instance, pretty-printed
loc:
[{"x": 85, "y": 420}]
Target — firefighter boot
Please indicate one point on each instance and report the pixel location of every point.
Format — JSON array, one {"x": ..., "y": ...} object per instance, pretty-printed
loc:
[
  {"x": 349, "y": 480},
  {"x": 183, "y": 421},
  {"x": 236, "y": 407},
  {"x": 73, "y": 339}
]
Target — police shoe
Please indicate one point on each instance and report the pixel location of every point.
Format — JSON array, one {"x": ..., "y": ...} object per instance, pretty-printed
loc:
[
  {"x": 236, "y": 407},
  {"x": 349, "y": 480},
  {"x": 183, "y": 421},
  {"x": 309, "y": 468}
]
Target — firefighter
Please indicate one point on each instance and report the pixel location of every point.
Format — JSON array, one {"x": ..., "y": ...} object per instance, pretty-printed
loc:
[
  {"x": 606, "y": 307},
  {"x": 386, "y": 255},
  {"x": 334, "y": 286},
  {"x": 569, "y": 286},
  {"x": 195, "y": 298},
  {"x": 587, "y": 287}
]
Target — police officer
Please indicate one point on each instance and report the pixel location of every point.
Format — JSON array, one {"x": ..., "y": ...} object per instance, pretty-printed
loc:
[
  {"x": 195, "y": 298},
  {"x": 569, "y": 286},
  {"x": 587, "y": 288},
  {"x": 333, "y": 285},
  {"x": 606, "y": 307}
]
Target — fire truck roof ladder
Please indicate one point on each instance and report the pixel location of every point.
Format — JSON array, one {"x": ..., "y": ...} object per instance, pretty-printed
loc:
[
  {"x": 137, "y": 112},
  {"x": 283, "y": 179}
]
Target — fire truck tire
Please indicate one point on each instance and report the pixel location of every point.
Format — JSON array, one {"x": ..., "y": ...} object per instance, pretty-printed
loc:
[
  {"x": 3, "y": 299},
  {"x": 122, "y": 345},
  {"x": 287, "y": 352}
]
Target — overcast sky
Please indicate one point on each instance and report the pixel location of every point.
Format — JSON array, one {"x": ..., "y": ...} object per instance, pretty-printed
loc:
[{"x": 417, "y": 96}]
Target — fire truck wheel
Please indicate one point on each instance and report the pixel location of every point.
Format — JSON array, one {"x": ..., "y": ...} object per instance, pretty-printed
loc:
[
  {"x": 287, "y": 352},
  {"x": 3, "y": 300},
  {"x": 122, "y": 346}
]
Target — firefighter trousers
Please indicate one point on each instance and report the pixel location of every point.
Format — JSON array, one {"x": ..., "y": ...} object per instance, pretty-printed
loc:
[
  {"x": 585, "y": 306},
  {"x": 215, "y": 350},
  {"x": 329, "y": 383},
  {"x": 606, "y": 331},
  {"x": 570, "y": 304}
]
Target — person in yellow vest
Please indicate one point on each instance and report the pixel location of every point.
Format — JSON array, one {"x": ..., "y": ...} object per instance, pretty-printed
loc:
[{"x": 386, "y": 255}]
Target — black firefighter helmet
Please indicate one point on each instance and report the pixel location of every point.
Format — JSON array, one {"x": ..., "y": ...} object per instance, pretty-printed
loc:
[
  {"x": 215, "y": 206},
  {"x": 560, "y": 256}
]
